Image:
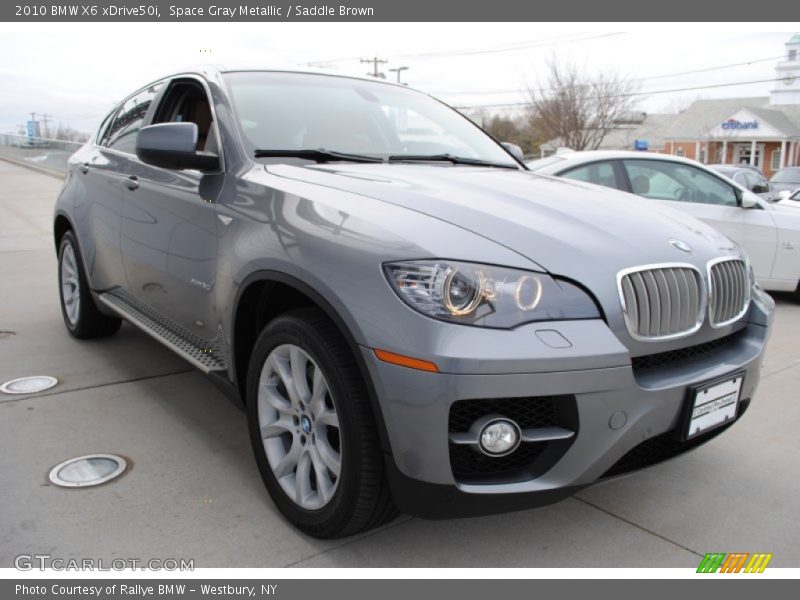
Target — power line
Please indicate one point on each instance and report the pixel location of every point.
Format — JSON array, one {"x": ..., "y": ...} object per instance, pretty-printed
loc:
[
  {"x": 512, "y": 47},
  {"x": 637, "y": 80},
  {"x": 469, "y": 52},
  {"x": 707, "y": 69},
  {"x": 631, "y": 94}
]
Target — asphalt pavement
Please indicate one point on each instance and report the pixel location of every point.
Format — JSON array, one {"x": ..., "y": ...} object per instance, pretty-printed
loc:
[{"x": 193, "y": 490}]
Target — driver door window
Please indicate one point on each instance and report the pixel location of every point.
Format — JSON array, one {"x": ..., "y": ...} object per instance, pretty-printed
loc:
[
  {"x": 750, "y": 181},
  {"x": 760, "y": 183},
  {"x": 186, "y": 101},
  {"x": 741, "y": 178},
  {"x": 662, "y": 180},
  {"x": 600, "y": 173}
]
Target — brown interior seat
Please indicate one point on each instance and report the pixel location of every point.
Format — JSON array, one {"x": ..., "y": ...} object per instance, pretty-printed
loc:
[{"x": 200, "y": 114}]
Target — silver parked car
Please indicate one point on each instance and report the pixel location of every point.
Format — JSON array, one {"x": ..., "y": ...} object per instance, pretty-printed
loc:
[
  {"x": 411, "y": 320},
  {"x": 748, "y": 177},
  {"x": 786, "y": 179}
]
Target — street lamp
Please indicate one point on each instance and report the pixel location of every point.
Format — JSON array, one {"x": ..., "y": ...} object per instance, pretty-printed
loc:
[{"x": 399, "y": 70}]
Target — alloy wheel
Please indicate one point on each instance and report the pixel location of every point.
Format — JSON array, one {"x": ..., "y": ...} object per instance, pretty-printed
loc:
[
  {"x": 70, "y": 284},
  {"x": 299, "y": 427}
]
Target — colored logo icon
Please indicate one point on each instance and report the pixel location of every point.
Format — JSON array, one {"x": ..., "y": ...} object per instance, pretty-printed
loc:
[{"x": 736, "y": 562}]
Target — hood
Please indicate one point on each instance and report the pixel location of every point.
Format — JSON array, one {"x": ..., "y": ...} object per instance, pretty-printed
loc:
[
  {"x": 787, "y": 203},
  {"x": 785, "y": 187},
  {"x": 577, "y": 230}
]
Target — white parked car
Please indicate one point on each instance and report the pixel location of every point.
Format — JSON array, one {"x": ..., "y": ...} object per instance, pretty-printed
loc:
[
  {"x": 789, "y": 198},
  {"x": 769, "y": 232}
]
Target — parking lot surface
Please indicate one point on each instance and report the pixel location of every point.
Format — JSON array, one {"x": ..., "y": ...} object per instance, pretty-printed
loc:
[{"x": 194, "y": 492}]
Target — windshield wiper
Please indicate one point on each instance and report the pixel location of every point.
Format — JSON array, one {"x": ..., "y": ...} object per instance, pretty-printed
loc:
[
  {"x": 319, "y": 155},
  {"x": 456, "y": 160}
]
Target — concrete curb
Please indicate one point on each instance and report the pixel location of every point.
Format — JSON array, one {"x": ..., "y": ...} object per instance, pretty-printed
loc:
[{"x": 37, "y": 168}]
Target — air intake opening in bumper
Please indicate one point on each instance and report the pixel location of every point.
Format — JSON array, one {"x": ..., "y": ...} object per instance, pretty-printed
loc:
[{"x": 529, "y": 460}]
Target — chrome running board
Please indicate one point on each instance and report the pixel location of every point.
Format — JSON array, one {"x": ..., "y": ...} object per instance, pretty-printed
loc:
[{"x": 172, "y": 335}]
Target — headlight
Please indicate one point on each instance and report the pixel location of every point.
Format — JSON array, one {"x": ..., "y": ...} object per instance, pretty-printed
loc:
[{"x": 485, "y": 295}]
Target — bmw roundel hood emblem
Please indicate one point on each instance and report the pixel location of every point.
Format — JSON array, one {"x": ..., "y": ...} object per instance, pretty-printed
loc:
[{"x": 681, "y": 245}]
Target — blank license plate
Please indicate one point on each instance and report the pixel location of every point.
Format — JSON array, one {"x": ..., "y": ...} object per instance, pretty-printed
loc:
[{"x": 713, "y": 405}]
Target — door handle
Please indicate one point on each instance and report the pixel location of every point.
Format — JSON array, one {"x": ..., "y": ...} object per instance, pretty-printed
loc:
[
  {"x": 83, "y": 168},
  {"x": 132, "y": 182}
]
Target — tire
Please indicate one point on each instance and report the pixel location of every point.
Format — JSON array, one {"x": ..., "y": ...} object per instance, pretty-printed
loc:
[
  {"x": 81, "y": 317},
  {"x": 313, "y": 496}
]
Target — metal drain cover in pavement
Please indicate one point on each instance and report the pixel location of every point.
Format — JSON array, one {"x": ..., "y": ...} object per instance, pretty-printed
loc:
[
  {"x": 89, "y": 470},
  {"x": 28, "y": 385}
]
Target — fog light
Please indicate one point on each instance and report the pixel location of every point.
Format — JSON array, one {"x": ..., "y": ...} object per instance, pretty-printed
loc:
[{"x": 499, "y": 437}]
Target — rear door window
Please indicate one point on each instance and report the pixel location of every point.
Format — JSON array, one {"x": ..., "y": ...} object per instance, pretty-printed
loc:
[
  {"x": 663, "y": 180},
  {"x": 102, "y": 131},
  {"x": 129, "y": 119}
]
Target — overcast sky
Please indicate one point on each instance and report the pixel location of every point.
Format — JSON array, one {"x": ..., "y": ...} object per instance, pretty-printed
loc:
[{"x": 76, "y": 72}]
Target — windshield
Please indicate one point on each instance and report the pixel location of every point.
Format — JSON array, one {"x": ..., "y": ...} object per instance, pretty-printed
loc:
[
  {"x": 787, "y": 176},
  {"x": 299, "y": 111}
]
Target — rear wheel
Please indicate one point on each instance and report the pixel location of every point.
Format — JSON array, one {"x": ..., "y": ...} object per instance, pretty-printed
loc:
[
  {"x": 80, "y": 313},
  {"x": 313, "y": 432}
]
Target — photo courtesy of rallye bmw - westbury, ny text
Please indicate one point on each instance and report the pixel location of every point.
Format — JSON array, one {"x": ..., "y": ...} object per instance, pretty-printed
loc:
[{"x": 397, "y": 299}]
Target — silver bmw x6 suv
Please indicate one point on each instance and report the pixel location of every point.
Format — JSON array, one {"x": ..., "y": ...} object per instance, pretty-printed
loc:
[{"x": 411, "y": 320}]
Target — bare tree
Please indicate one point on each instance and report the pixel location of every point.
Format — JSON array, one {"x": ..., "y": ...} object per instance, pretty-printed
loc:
[
  {"x": 68, "y": 134},
  {"x": 514, "y": 129},
  {"x": 578, "y": 110}
]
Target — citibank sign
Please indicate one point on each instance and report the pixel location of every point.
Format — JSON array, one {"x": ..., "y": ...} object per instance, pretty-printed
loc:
[{"x": 736, "y": 124}]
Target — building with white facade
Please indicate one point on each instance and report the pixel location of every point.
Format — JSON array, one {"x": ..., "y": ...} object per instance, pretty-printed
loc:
[{"x": 761, "y": 131}]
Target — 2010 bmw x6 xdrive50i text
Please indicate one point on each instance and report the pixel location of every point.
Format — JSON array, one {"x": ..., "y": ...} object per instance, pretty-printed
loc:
[{"x": 411, "y": 319}]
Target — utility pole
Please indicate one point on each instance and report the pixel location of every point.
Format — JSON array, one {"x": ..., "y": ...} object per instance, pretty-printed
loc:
[
  {"x": 399, "y": 70},
  {"x": 46, "y": 119},
  {"x": 375, "y": 62}
]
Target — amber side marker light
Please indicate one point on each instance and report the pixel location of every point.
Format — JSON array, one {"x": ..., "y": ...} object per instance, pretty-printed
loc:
[{"x": 406, "y": 361}]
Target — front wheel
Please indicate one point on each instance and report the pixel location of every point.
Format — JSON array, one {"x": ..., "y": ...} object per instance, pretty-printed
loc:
[
  {"x": 312, "y": 429},
  {"x": 80, "y": 313}
]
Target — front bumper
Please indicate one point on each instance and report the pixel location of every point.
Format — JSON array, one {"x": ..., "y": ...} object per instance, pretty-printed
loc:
[{"x": 619, "y": 408}]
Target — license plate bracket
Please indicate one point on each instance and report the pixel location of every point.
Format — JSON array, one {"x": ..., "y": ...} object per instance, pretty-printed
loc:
[{"x": 712, "y": 404}]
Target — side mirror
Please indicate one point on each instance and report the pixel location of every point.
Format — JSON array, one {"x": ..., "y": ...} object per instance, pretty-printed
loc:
[
  {"x": 784, "y": 194},
  {"x": 748, "y": 200},
  {"x": 514, "y": 150},
  {"x": 759, "y": 188},
  {"x": 173, "y": 146}
]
